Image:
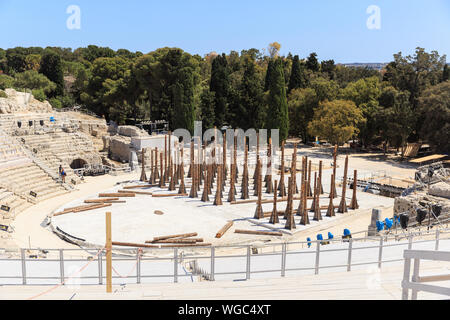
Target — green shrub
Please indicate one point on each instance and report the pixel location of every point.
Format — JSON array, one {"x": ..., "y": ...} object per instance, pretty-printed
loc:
[
  {"x": 56, "y": 103},
  {"x": 39, "y": 94},
  {"x": 6, "y": 82},
  {"x": 3, "y": 94}
]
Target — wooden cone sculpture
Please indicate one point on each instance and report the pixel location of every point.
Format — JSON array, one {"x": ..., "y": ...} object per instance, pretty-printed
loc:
[
  {"x": 255, "y": 174},
  {"x": 152, "y": 180},
  {"x": 205, "y": 195},
  {"x": 172, "y": 186},
  {"x": 268, "y": 179},
  {"x": 274, "y": 219},
  {"x": 305, "y": 218},
  {"x": 192, "y": 160},
  {"x": 182, "y": 189},
  {"x": 281, "y": 186},
  {"x": 294, "y": 169},
  {"x": 224, "y": 159},
  {"x": 316, "y": 203},
  {"x": 290, "y": 222},
  {"x": 320, "y": 178},
  {"x": 289, "y": 204},
  {"x": 343, "y": 205},
  {"x": 161, "y": 179},
  {"x": 244, "y": 185},
  {"x": 308, "y": 187},
  {"x": 354, "y": 204},
  {"x": 330, "y": 211},
  {"x": 259, "y": 214},
  {"x": 218, "y": 197},
  {"x": 313, "y": 205},
  {"x": 302, "y": 186},
  {"x": 194, "y": 191},
  {"x": 232, "y": 192},
  {"x": 333, "y": 184}
]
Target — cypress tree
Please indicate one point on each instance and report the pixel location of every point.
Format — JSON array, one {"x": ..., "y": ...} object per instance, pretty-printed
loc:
[
  {"x": 207, "y": 109},
  {"x": 220, "y": 85},
  {"x": 297, "y": 79},
  {"x": 269, "y": 73},
  {"x": 51, "y": 67},
  {"x": 183, "y": 104},
  {"x": 251, "y": 110},
  {"x": 277, "y": 112}
]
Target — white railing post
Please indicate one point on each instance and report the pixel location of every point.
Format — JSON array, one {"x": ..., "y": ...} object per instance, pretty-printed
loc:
[
  {"x": 213, "y": 262},
  {"x": 406, "y": 273},
  {"x": 410, "y": 241},
  {"x": 317, "y": 258},
  {"x": 283, "y": 260},
  {"x": 138, "y": 266},
  {"x": 61, "y": 264},
  {"x": 380, "y": 253},
  {"x": 175, "y": 265},
  {"x": 349, "y": 258},
  {"x": 24, "y": 267},
  {"x": 437, "y": 240},
  {"x": 415, "y": 277},
  {"x": 247, "y": 276},
  {"x": 100, "y": 268}
]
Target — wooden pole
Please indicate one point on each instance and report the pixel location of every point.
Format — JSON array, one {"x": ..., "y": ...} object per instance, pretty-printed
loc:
[
  {"x": 260, "y": 233},
  {"x": 290, "y": 222},
  {"x": 259, "y": 211},
  {"x": 343, "y": 204},
  {"x": 224, "y": 229},
  {"x": 333, "y": 184},
  {"x": 320, "y": 178},
  {"x": 316, "y": 205},
  {"x": 281, "y": 186},
  {"x": 268, "y": 179},
  {"x": 274, "y": 219},
  {"x": 244, "y": 186},
  {"x": 308, "y": 186},
  {"x": 354, "y": 204},
  {"x": 182, "y": 189},
  {"x": 108, "y": 247},
  {"x": 330, "y": 211}
]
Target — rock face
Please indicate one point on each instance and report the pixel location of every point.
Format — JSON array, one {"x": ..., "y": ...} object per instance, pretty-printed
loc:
[
  {"x": 21, "y": 102},
  {"x": 119, "y": 148},
  {"x": 441, "y": 189},
  {"x": 131, "y": 131}
]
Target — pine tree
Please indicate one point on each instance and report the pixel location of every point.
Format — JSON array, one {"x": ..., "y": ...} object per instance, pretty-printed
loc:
[
  {"x": 297, "y": 79},
  {"x": 446, "y": 73},
  {"x": 277, "y": 112},
  {"x": 312, "y": 63},
  {"x": 220, "y": 85},
  {"x": 51, "y": 67}
]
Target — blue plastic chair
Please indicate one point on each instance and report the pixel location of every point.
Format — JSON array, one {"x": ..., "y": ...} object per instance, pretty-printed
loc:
[
  {"x": 389, "y": 223},
  {"x": 330, "y": 236},
  {"x": 380, "y": 226},
  {"x": 309, "y": 242},
  {"x": 319, "y": 237},
  {"x": 347, "y": 232}
]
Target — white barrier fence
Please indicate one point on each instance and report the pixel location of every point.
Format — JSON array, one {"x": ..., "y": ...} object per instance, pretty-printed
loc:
[
  {"x": 215, "y": 263},
  {"x": 416, "y": 284}
]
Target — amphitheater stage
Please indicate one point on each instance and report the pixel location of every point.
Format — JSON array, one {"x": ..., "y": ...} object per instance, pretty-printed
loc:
[{"x": 136, "y": 222}]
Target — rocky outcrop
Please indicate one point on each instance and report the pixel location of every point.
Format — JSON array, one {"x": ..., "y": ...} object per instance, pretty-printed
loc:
[
  {"x": 21, "y": 102},
  {"x": 119, "y": 148},
  {"x": 441, "y": 189},
  {"x": 131, "y": 131}
]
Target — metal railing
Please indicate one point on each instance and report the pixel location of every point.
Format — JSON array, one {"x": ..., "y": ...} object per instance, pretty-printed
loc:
[
  {"x": 416, "y": 284},
  {"x": 177, "y": 260}
]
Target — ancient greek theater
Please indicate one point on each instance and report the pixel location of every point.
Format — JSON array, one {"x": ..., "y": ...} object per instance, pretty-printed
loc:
[{"x": 94, "y": 210}]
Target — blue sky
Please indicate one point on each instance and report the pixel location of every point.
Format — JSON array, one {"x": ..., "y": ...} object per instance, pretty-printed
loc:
[{"x": 335, "y": 29}]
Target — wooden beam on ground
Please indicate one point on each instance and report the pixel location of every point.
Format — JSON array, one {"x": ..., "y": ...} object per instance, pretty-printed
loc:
[
  {"x": 82, "y": 208},
  {"x": 174, "y": 241},
  {"x": 169, "y": 195},
  {"x": 141, "y": 186},
  {"x": 136, "y": 192},
  {"x": 184, "y": 235},
  {"x": 100, "y": 200},
  {"x": 119, "y": 195},
  {"x": 134, "y": 245},
  {"x": 224, "y": 229},
  {"x": 260, "y": 233}
]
